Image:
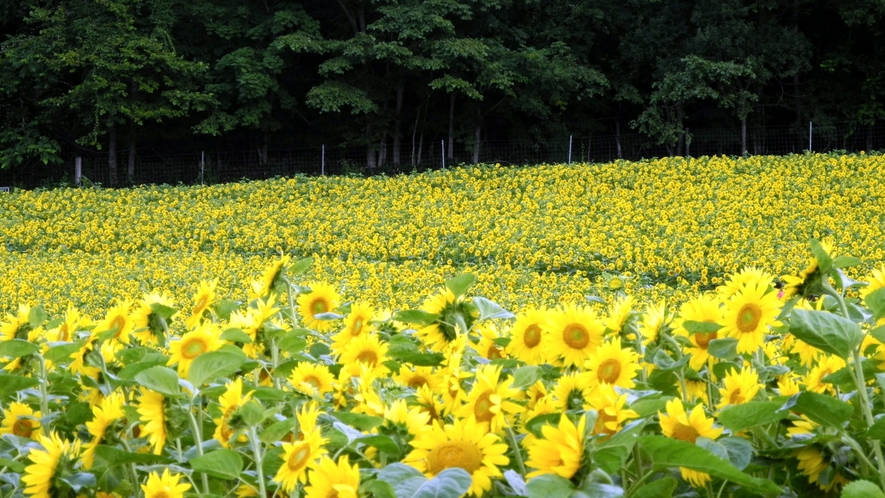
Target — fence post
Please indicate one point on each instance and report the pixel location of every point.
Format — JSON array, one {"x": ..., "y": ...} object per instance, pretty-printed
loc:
[
  {"x": 202, "y": 167},
  {"x": 569, "y": 149},
  {"x": 443, "y": 150},
  {"x": 809, "y": 136},
  {"x": 323, "y": 162},
  {"x": 78, "y": 170}
]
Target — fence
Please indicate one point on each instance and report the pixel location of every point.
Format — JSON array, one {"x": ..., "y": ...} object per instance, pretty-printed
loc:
[{"x": 208, "y": 167}]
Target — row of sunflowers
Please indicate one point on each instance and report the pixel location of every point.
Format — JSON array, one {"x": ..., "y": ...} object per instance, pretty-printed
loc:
[{"x": 766, "y": 386}]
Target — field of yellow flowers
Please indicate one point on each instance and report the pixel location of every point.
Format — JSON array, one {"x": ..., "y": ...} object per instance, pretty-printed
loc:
[{"x": 692, "y": 327}]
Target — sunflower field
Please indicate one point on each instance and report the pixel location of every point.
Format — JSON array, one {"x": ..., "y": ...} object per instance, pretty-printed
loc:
[{"x": 675, "y": 327}]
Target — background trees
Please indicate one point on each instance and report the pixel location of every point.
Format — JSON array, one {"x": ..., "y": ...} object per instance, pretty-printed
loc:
[{"x": 394, "y": 76}]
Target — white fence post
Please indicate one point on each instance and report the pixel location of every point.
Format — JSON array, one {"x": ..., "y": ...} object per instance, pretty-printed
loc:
[
  {"x": 809, "y": 136},
  {"x": 569, "y": 149},
  {"x": 443, "y": 149},
  {"x": 323, "y": 162},
  {"x": 78, "y": 170}
]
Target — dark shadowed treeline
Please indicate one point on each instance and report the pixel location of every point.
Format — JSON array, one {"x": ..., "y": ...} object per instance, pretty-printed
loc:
[{"x": 122, "y": 79}]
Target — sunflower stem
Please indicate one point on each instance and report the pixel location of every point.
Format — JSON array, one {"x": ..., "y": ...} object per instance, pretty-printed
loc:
[
  {"x": 511, "y": 438},
  {"x": 132, "y": 472},
  {"x": 638, "y": 483},
  {"x": 860, "y": 453},
  {"x": 198, "y": 438},
  {"x": 44, "y": 393},
  {"x": 259, "y": 460}
]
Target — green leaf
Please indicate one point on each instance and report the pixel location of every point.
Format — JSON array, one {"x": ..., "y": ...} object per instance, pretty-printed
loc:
[
  {"x": 37, "y": 316},
  {"x": 696, "y": 327},
  {"x": 417, "y": 317},
  {"x": 359, "y": 420},
  {"x": 318, "y": 349},
  {"x": 877, "y": 430},
  {"x": 17, "y": 348},
  {"x": 846, "y": 261},
  {"x": 62, "y": 352},
  {"x": 549, "y": 485},
  {"x": 826, "y": 331},
  {"x": 292, "y": 344},
  {"x": 163, "y": 380},
  {"x": 79, "y": 481},
  {"x": 665, "y": 363},
  {"x": 740, "y": 451},
  {"x": 236, "y": 335},
  {"x": 275, "y": 432},
  {"x": 861, "y": 489},
  {"x": 724, "y": 349},
  {"x": 223, "y": 463},
  {"x": 459, "y": 285},
  {"x": 739, "y": 417},
  {"x": 820, "y": 408},
  {"x": 377, "y": 489},
  {"x": 163, "y": 311},
  {"x": 824, "y": 261},
  {"x": 453, "y": 481},
  {"x": 879, "y": 333},
  {"x": 611, "y": 454},
  {"x": 11, "y": 384},
  {"x": 489, "y": 309},
  {"x": 208, "y": 367},
  {"x": 252, "y": 413},
  {"x": 404, "y": 479},
  {"x": 225, "y": 307},
  {"x": 670, "y": 453},
  {"x": 115, "y": 456},
  {"x": 300, "y": 266},
  {"x": 660, "y": 488},
  {"x": 12, "y": 465},
  {"x": 524, "y": 377},
  {"x": 130, "y": 371},
  {"x": 535, "y": 423},
  {"x": 382, "y": 443},
  {"x": 875, "y": 301}
]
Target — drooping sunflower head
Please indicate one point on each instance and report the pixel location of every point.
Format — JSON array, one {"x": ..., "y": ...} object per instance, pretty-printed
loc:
[
  {"x": 572, "y": 391},
  {"x": 21, "y": 420},
  {"x": 321, "y": 299},
  {"x": 456, "y": 317},
  {"x": 57, "y": 458},
  {"x": 152, "y": 415},
  {"x": 619, "y": 314},
  {"x": 489, "y": 344},
  {"x": 150, "y": 326},
  {"x": 678, "y": 424},
  {"x": 203, "y": 299},
  {"x": 561, "y": 449},
  {"x": 611, "y": 409},
  {"x": 16, "y": 326},
  {"x": 272, "y": 275},
  {"x": 655, "y": 320},
  {"x": 808, "y": 281}
]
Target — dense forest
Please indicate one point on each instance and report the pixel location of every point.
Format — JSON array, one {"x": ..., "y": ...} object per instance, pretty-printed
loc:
[{"x": 118, "y": 77}]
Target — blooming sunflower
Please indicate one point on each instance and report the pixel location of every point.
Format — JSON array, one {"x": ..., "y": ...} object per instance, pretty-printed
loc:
[
  {"x": 322, "y": 298},
  {"x": 232, "y": 399},
  {"x": 487, "y": 346},
  {"x": 463, "y": 444},
  {"x": 526, "y": 336},
  {"x": 164, "y": 485},
  {"x": 21, "y": 420},
  {"x": 429, "y": 402},
  {"x": 454, "y": 313},
  {"x": 560, "y": 450},
  {"x": 704, "y": 309},
  {"x": 612, "y": 365},
  {"x": 740, "y": 387},
  {"x": 148, "y": 326},
  {"x": 748, "y": 275},
  {"x": 205, "y": 338},
  {"x": 655, "y": 319},
  {"x": 575, "y": 333},
  {"x": 876, "y": 279},
  {"x": 619, "y": 314},
  {"x": 16, "y": 326},
  {"x": 416, "y": 377},
  {"x": 57, "y": 457},
  {"x": 413, "y": 419},
  {"x": 814, "y": 379},
  {"x": 367, "y": 349},
  {"x": 610, "y": 409},
  {"x": 204, "y": 298},
  {"x": 152, "y": 414},
  {"x": 109, "y": 410},
  {"x": 357, "y": 323},
  {"x": 572, "y": 391},
  {"x": 71, "y": 323},
  {"x": 118, "y": 320},
  {"x": 313, "y": 379},
  {"x": 687, "y": 427},
  {"x": 489, "y": 399},
  {"x": 327, "y": 478},
  {"x": 805, "y": 282},
  {"x": 813, "y": 464},
  {"x": 748, "y": 315},
  {"x": 297, "y": 458}
]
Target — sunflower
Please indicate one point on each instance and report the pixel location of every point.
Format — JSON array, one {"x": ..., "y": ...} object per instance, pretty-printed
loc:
[
  {"x": 876, "y": 279},
  {"x": 610, "y": 409},
  {"x": 164, "y": 486},
  {"x": 463, "y": 444},
  {"x": 807, "y": 281},
  {"x": 747, "y": 276},
  {"x": 297, "y": 458},
  {"x": 487, "y": 346},
  {"x": 560, "y": 450},
  {"x": 740, "y": 387},
  {"x": 152, "y": 415},
  {"x": 367, "y": 398},
  {"x": 612, "y": 365},
  {"x": 56, "y": 458},
  {"x": 695, "y": 389},
  {"x": 327, "y": 478},
  {"x": 813, "y": 464},
  {"x": 204, "y": 298},
  {"x": 452, "y": 374},
  {"x": 357, "y": 323},
  {"x": 203, "y": 339},
  {"x": 619, "y": 314},
  {"x": 489, "y": 399},
  {"x": 71, "y": 323},
  {"x": 416, "y": 377},
  {"x": 572, "y": 391},
  {"x": 429, "y": 402},
  {"x": 307, "y": 419},
  {"x": 413, "y": 419},
  {"x": 312, "y": 379},
  {"x": 814, "y": 379},
  {"x": 687, "y": 427},
  {"x": 271, "y": 276},
  {"x": 79, "y": 365},
  {"x": 526, "y": 337},
  {"x": 787, "y": 386},
  {"x": 575, "y": 333},
  {"x": 106, "y": 413},
  {"x": 704, "y": 309},
  {"x": 322, "y": 298},
  {"x": 21, "y": 420},
  {"x": 16, "y": 326},
  {"x": 456, "y": 317},
  {"x": 368, "y": 350},
  {"x": 748, "y": 315},
  {"x": 230, "y": 402},
  {"x": 148, "y": 327},
  {"x": 655, "y": 319}
]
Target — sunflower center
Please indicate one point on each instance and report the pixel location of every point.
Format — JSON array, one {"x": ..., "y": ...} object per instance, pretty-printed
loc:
[
  {"x": 703, "y": 339},
  {"x": 23, "y": 427},
  {"x": 193, "y": 348},
  {"x": 685, "y": 433},
  {"x": 313, "y": 381},
  {"x": 118, "y": 323},
  {"x": 461, "y": 454},
  {"x": 532, "y": 335},
  {"x": 298, "y": 459},
  {"x": 368, "y": 356},
  {"x": 748, "y": 317},
  {"x": 494, "y": 352},
  {"x": 160, "y": 494},
  {"x": 602, "y": 419},
  {"x": 483, "y": 407},
  {"x": 576, "y": 336},
  {"x": 736, "y": 397},
  {"x": 202, "y": 301},
  {"x": 417, "y": 381},
  {"x": 357, "y": 327},
  {"x": 609, "y": 371},
  {"x": 319, "y": 306}
]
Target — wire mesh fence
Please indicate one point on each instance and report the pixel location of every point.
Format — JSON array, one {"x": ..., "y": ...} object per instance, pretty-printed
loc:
[{"x": 221, "y": 166}]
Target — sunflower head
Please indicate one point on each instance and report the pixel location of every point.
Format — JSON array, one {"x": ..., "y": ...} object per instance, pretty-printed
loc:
[
  {"x": 57, "y": 459},
  {"x": 809, "y": 282}
]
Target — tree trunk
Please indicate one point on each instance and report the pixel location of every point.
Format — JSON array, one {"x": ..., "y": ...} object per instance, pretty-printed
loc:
[
  {"x": 744, "y": 137},
  {"x": 476, "y": 136},
  {"x": 262, "y": 149},
  {"x": 112, "y": 153},
  {"x": 450, "y": 153},
  {"x": 371, "y": 159},
  {"x": 414, "y": 132},
  {"x": 382, "y": 152},
  {"x": 618, "y": 138},
  {"x": 869, "y": 138},
  {"x": 398, "y": 124},
  {"x": 130, "y": 167},
  {"x": 420, "y": 146}
]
